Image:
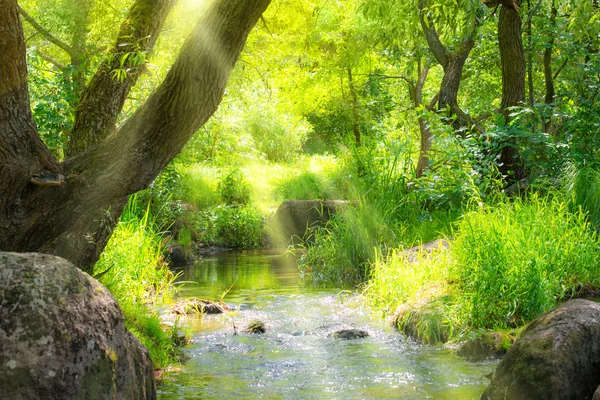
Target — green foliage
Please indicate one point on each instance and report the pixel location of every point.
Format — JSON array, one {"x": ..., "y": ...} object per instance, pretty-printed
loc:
[
  {"x": 276, "y": 135},
  {"x": 240, "y": 227},
  {"x": 306, "y": 186},
  {"x": 199, "y": 186},
  {"x": 133, "y": 269},
  {"x": 507, "y": 265},
  {"x": 234, "y": 188},
  {"x": 516, "y": 260},
  {"x": 50, "y": 100},
  {"x": 583, "y": 189}
]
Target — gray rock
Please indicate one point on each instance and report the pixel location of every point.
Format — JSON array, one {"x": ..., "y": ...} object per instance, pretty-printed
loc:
[
  {"x": 196, "y": 306},
  {"x": 255, "y": 326},
  {"x": 296, "y": 219},
  {"x": 556, "y": 357},
  {"x": 62, "y": 335},
  {"x": 350, "y": 334}
]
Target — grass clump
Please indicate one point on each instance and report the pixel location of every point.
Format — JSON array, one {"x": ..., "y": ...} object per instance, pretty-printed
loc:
[
  {"x": 516, "y": 260},
  {"x": 133, "y": 269},
  {"x": 508, "y": 264}
]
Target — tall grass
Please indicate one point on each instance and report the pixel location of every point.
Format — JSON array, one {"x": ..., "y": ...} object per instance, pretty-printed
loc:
[
  {"x": 386, "y": 214},
  {"x": 509, "y": 263},
  {"x": 133, "y": 269},
  {"x": 515, "y": 260}
]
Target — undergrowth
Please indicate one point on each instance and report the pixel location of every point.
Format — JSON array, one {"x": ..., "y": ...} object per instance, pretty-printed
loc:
[
  {"x": 133, "y": 269},
  {"x": 508, "y": 263}
]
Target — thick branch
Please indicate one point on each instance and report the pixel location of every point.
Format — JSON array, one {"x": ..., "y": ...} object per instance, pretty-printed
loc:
[
  {"x": 104, "y": 97},
  {"x": 436, "y": 46},
  {"x": 46, "y": 33}
]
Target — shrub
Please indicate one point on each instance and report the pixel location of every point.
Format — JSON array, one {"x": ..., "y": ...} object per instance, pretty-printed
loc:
[
  {"x": 306, "y": 186},
  {"x": 233, "y": 188}
]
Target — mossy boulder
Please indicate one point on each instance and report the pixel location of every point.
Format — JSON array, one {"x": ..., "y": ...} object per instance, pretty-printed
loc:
[
  {"x": 255, "y": 326},
  {"x": 424, "y": 316},
  {"x": 62, "y": 335},
  {"x": 556, "y": 357},
  {"x": 295, "y": 220}
]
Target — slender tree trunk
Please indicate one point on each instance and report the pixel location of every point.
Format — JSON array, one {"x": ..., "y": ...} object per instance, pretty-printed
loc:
[
  {"x": 530, "y": 56},
  {"x": 453, "y": 64},
  {"x": 512, "y": 58},
  {"x": 548, "y": 75},
  {"x": 424, "y": 127},
  {"x": 74, "y": 220},
  {"x": 79, "y": 45},
  {"x": 355, "y": 116}
]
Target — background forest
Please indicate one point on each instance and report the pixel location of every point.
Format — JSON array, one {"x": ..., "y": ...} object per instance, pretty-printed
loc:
[{"x": 456, "y": 119}]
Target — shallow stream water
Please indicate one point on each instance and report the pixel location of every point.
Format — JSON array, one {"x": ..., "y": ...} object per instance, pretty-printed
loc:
[{"x": 297, "y": 358}]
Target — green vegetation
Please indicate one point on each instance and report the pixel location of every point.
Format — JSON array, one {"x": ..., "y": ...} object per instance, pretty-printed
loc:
[
  {"x": 397, "y": 106},
  {"x": 508, "y": 263},
  {"x": 133, "y": 268}
]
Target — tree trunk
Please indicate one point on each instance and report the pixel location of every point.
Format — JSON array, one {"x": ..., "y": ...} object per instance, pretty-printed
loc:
[
  {"x": 355, "y": 116},
  {"x": 103, "y": 99},
  {"x": 423, "y": 124},
  {"x": 74, "y": 220},
  {"x": 452, "y": 63},
  {"x": 548, "y": 77},
  {"x": 512, "y": 59}
]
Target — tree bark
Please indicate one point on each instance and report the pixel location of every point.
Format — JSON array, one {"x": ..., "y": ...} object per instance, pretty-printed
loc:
[
  {"x": 512, "y": 59},
  {"x": 453, "y": 64},
  {"x": 74, "y": 220},
  {"x": 103, "y": 99},
  {"x": 548, "y": 77}
]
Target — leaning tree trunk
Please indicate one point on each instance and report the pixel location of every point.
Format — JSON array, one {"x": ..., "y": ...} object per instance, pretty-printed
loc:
[
  {"x": 452, "y": 63},
  {"x": 102, "y": 100},
  {"x": 512, "y": 59},
  {"x": 74, "y": 220}
]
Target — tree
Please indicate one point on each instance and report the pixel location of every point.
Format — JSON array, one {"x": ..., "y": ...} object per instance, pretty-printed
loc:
[
  {"x": 69, "y": 208},
  {"x": 512, "y": 59}
]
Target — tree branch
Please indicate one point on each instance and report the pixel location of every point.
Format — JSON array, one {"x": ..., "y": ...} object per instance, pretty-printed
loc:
[
  {"x": 438, "y": 49},
  {"x": 46, "y": 33},
  {"x": 103, "y": 98},
  {"x": 52, "y": 60}
]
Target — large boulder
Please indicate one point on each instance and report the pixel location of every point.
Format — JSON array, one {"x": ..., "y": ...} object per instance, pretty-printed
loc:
[
  {"x": 62, "y": 335},
  {"x": 556, "y": 357},
  {"x": 295, "y": 220}
]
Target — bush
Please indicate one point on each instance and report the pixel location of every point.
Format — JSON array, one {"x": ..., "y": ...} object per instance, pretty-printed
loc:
[
  {"x": 508, "y": 264},
  {"x": 306, "y": 186},
  {"x": 230, "y": 226},
  {"x": 233, "y": 188}
]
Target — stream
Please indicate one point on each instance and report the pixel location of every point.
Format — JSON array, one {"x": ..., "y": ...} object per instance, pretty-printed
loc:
[{"x": 297, "y": 358}]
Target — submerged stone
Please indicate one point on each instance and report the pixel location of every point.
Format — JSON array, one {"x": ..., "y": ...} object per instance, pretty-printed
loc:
[
  {"x": 195, "y": 306},
  {"x": 556, "y": 357},
  {"x": 255, "y": 326},
  {"x": 350, "y": 334},
  {"x": 62, "y": 335}
]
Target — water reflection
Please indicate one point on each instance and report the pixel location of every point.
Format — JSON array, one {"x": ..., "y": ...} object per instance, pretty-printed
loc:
[{"x": 298, "y": 358}]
